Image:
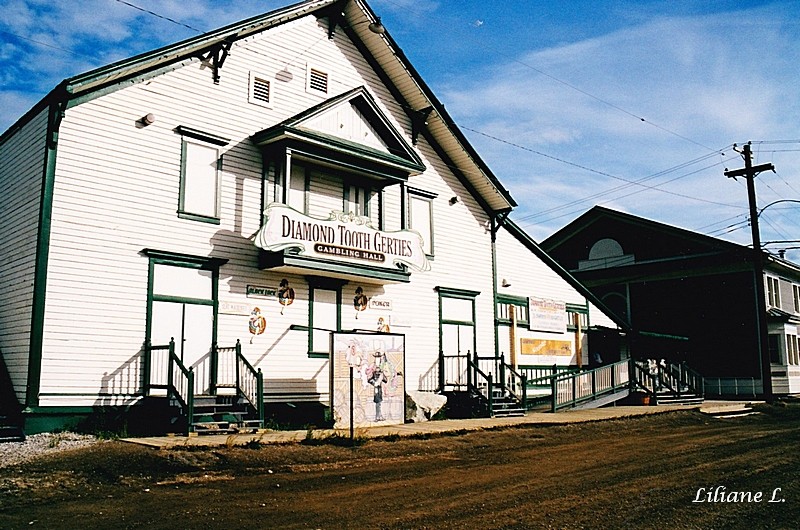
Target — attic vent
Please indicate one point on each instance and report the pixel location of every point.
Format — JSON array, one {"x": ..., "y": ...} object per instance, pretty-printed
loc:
[
  {"x": 318, "y": 80},
  {"x": 260, "y": 90}
]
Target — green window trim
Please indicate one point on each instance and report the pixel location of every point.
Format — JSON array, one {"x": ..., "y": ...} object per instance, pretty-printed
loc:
[
  {"x": 211, "y": 143},
  {"x": 517, "y": 301},
  {"x": 173, "y": 259},
  {"x": 196, "y": 134},
  {"x": 580, "y": 309}
]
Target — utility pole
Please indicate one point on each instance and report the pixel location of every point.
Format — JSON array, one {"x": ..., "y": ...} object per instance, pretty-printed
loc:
[{"x": 749, "y": 172}]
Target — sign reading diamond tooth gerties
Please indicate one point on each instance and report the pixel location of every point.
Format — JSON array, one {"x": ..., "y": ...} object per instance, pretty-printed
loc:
[{"x": 342, "y": 237}]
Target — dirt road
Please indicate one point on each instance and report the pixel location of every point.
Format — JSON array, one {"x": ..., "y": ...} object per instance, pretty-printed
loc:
[{"x": 631, "y": 473}]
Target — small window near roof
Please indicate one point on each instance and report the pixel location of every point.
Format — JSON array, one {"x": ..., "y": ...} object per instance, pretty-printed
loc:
[
  {"x": 317, "y": 80},
  {"x": 260, "y": 90}
]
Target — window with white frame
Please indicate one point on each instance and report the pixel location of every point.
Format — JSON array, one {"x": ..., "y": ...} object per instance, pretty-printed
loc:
[
  {"x": 420, "y": 217},
  {"x": 200, "y": 181},
  {"x": 773, "y": 292},
  {"x": 792, "y": 350},
  {"x": 323, "y": 317}
]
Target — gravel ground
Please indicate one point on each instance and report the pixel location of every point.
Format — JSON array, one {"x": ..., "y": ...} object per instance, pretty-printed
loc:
[{"x": 35, "y": 445}]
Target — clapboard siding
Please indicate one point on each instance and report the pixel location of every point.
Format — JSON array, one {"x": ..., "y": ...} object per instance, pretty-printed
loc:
[
  {"x": 21, "y": 172},
  {"x": 530, "y": 276},
  {"x": 117, "y": 191}
]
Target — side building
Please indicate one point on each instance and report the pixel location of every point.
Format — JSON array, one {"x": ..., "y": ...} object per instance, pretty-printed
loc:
[
  {"x": 222, "y": 205},
  {"x": 695, "y": 294}
]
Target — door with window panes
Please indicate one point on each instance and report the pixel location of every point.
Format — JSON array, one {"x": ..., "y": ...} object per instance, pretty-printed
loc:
[
  {"x": 183, "y": 310},
  {"x": 457, "y": 325}
]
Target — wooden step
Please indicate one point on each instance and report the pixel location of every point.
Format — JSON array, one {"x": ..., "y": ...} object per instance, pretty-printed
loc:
[{"x": 10, "y": 431}]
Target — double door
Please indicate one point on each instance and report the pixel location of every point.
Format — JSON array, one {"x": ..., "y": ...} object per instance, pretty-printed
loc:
[{"x": 191, "y": 326}]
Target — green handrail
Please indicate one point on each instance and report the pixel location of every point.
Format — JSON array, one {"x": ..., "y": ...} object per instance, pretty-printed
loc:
[{"x": 252, "y": 378}]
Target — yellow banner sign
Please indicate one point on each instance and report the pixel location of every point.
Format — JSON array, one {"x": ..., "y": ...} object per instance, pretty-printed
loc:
[{"x": 545, "y": 347}]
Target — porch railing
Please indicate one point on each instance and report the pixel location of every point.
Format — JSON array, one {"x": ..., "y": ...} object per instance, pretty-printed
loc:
[
  {"x": 454, "y": 373},
  {"x": 235, "y": 371},
  {"x": 165, "y": 371},
  {"x": 480, "y": 382},
  {"x": 733, "y": 386},
  {"x": 573, "y": 389}
]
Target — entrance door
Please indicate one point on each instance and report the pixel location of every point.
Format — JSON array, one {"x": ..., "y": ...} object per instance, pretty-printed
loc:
[
  {"x": 191, "y": 326},
  {"x": 457, "y": 344},
  {"x": 457, "y": 325}
]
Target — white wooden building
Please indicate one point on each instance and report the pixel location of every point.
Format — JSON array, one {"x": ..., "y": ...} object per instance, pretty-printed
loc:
[{"x": 252, "y": 184}]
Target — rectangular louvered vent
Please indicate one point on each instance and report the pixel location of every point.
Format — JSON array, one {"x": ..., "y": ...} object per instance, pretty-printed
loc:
[
  {"x": 260, "y": 90},
  {"x": 318, "y": 80}
]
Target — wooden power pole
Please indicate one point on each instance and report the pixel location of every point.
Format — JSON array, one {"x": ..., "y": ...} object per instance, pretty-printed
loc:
[{"x": 749, "y": 172}]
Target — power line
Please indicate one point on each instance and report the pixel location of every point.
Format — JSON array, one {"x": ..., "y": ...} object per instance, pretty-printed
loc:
[
  {"x": 44, "y": 44},
  {"x": 160, "y": 16}
]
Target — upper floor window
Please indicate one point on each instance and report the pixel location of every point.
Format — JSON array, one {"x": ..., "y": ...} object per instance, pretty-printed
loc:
[
  {"x": 201, "y": 164},
  {"x": 796, "y": 293},
  {"x": 577, "y": 315},
  {"x": 773, "y": 292},
  {"x": 792, "y": 349},
  {"x": 504, "y": 306},
  {"x": 420, "y": 217},
  {"x": 316, "y": 191}
]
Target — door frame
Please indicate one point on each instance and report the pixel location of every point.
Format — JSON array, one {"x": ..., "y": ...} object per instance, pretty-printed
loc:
[
  {"x": 461, "y": 294},
  {"x": 173, "y": 259}
]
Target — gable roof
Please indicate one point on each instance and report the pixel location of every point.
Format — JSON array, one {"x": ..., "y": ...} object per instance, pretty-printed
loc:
[
  {"x": 523, "y": 237},
  {"x": 353, "y": 17},
  {"x": 598, "y": 213},
  {"x": 390, "y": 148}
]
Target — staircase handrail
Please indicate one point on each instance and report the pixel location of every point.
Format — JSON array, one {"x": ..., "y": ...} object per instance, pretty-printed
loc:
[
  {"x": 472, "y": 381},
  {"x": 687, "y": 377},
  {"x": 179, "y": 383},
  {"x": 249, "y": 382},
  {"x": 642, "y": 378},
  {"x": 515, "y": 383}
]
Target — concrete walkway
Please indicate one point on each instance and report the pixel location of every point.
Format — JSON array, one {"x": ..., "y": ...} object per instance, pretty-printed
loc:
[{"x": 266, "y": 436}]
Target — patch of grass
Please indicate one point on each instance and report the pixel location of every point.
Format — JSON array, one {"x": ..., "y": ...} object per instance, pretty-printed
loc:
[{"x": 336, "y": 439}]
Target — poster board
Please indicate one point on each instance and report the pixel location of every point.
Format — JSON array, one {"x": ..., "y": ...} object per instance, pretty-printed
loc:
[{"x": 378, "y": 379}]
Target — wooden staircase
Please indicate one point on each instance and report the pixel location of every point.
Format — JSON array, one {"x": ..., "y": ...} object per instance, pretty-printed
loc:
[
  {"x": 11, "y": 430},
  {"x": 505, "y": 405},
  {"x": 223, "y": 414},
  {"x": 236, "y": 399},
  {"x": 669, "y": 383},
  {"x": 10, "y": 410},
  {"x": 670, "y": 397},
  {"x": 498, "y": 386}
]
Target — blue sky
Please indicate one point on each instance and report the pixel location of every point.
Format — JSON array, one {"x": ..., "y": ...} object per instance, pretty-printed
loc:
[{"x": 633, "y": 105}]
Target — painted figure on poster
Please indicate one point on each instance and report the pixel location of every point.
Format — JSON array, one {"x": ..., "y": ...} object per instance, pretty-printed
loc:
[
  {"x": 285, "y": 294},
  {"x": 360, "y": 301},
  {"x": 377, "y": 379},
  {"x": 257, "y": 323}
]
